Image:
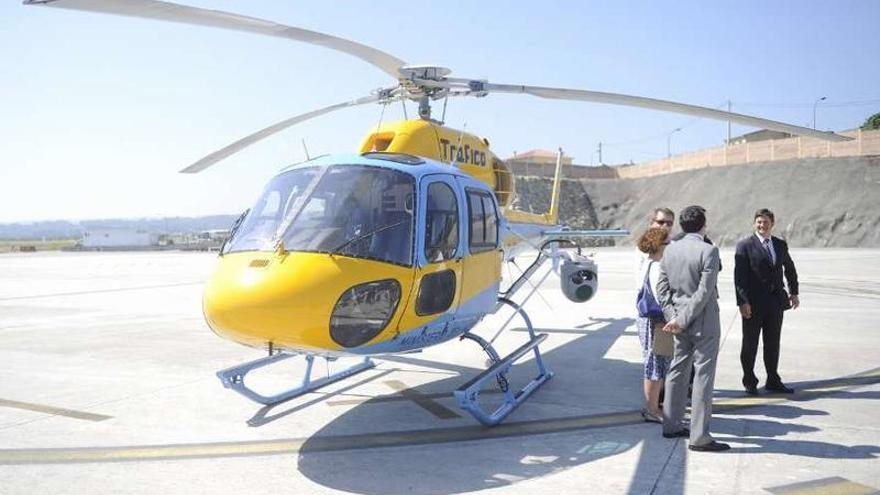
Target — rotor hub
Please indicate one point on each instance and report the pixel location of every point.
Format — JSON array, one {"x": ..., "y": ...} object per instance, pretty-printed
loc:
[
  {"x": 430, "y": 72},
  {"x": 412, "y": 78}
]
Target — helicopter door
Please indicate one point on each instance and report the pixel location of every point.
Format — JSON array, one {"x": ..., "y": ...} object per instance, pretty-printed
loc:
[
  {"x": 440, "y": 248},
  {"x": 482, "y": 261}
]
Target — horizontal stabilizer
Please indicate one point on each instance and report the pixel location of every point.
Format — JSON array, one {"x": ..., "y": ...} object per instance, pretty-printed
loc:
[{"x": 587, "y": 233}]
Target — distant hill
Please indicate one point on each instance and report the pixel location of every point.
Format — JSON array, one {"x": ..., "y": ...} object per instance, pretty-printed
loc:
[
  {"x": 63, "y": 229},
  {"x": 827, "y": 202}
]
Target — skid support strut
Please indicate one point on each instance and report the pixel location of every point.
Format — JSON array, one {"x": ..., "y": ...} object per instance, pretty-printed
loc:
[
  {"x": 234, "y": 377},
  {"x": 468, "y": 394}
]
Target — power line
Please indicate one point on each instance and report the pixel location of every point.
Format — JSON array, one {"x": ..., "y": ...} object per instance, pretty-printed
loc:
[{"x": 852, "y": 103}]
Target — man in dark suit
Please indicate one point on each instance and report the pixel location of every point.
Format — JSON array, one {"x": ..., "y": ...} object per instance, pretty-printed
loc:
[{"x": 761, "y": 261}]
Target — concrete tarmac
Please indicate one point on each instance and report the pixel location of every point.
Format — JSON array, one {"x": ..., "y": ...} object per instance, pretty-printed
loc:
[{"x": 108, "y": 386}]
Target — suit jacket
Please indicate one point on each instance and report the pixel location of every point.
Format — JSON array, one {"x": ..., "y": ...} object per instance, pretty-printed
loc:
[
  {"x": 757, "y": 280},
  {"x": 687, "y": 286},
  {"x": 679, "y": 236}
]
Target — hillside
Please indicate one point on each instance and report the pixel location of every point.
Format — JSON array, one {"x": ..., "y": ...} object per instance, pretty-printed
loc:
[
  {"x": 63, "y": 229},
  {"x": 833, "y": 202}
]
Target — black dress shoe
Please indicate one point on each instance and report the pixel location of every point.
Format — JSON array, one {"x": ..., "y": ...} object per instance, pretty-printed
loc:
[
  {"x": 779, "y": 389},
  {"x": 751, "y": 390},
  {"x": 712, "y": 446},
  {"x": 682, "y": 433}
]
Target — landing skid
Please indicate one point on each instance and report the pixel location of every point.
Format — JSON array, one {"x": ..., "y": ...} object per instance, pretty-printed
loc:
[
  {"x": 468, "y": 394},
  {"x": 233, "y": 378}
]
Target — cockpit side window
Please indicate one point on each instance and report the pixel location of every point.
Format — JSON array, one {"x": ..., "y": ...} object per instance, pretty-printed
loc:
[
  {"x": 483, "y": 228},
  {"x": 441, "y": 223}
]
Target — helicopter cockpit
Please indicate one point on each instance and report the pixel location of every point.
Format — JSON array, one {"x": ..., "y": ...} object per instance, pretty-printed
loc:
[{"x": 352, "y": 210}]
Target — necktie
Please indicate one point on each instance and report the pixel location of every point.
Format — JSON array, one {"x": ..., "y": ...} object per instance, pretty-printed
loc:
[{"x": 769, "y": 251}]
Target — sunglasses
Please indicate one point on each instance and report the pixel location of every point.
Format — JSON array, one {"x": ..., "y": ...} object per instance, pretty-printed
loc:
[{"x": 664, "y": 222}]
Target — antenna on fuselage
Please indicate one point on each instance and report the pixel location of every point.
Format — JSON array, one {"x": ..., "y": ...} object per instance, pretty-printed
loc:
[
  {"x": 305, "y": 148},
  {"x": 381, "y": 115}
]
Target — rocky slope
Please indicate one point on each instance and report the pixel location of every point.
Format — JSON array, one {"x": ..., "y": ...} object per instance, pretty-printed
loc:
[{"x": 832, "y": 202}]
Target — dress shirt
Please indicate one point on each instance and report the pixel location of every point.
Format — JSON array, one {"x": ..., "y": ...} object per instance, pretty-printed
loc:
[{"x": 764, "y": 246}]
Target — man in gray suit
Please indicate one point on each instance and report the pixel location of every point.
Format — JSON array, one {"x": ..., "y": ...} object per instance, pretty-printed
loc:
[{"x": 687, "y": 291}]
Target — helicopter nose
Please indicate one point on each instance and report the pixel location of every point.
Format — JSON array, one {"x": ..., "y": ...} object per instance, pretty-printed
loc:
[
  {"x": 256, "y": 299},
  {"x": 288, "y": 300}
]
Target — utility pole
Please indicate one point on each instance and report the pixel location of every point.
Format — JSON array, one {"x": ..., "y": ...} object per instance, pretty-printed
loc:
[
  {"x": 600, "y": 152},
  {"x": 669, "y": 142},
  {"x": 814, "y": 110},
  {"x": 728, "y": 122}
]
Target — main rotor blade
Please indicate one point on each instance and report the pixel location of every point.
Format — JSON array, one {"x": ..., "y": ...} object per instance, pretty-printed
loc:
[
  {"x": 634, "y": 101},
  {"x": 666, "y": 106},
  {"x": 268, "y": 131},
  {"x": 164, "y": 11}
]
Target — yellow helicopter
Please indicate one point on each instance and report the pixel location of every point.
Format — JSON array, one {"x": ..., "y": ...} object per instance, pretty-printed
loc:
[{"x": 395, "y": 248}]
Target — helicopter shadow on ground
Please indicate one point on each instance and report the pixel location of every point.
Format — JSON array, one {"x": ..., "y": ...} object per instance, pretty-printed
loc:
[
  {"x": 272, "y": 412},
  {"x": 580, "y": 387}
]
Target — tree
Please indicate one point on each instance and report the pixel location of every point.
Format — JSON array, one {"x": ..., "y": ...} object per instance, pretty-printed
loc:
[{"x": 872, "y": 123}]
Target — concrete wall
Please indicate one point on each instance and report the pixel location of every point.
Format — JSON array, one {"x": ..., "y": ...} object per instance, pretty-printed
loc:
[{"x": 864, "y": 143}]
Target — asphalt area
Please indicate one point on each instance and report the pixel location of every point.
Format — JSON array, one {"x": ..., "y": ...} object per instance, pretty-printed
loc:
[{"x": 108, "y": 386}]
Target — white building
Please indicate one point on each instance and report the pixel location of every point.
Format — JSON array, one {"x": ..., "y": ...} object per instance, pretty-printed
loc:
[
  {"x": 109, "y": 237},
  {"x": 218, "y": 235}
]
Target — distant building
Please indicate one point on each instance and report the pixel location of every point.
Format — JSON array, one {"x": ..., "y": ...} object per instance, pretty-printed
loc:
[
  {"x": 538, "y": 157},
  {"x": 218, "y": 235},
  {"x": 118, "y": 238},
  {"x": 540, "y": 163},
  {"x": 762, "y": 135}
]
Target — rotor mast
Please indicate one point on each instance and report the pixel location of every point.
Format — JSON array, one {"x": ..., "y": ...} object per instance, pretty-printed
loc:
[{"x": 412, "y": 79}]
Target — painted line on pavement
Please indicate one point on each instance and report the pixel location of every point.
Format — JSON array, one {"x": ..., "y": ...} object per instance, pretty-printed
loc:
[
  {"x": 98, "y": 291},
  {"x": 55, "y": 411},
  {"x": 396, "y": 439},
  {"x": 397, "y": 398},
  {"x": 825, "y": 486}
]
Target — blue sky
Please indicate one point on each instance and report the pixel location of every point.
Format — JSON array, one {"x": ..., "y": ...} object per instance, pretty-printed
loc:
[{"x": 97, "y": 113}]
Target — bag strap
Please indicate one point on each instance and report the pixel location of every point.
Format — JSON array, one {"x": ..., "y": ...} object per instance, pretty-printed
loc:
[
  {"x": 648, "y": 271},
  {"x": 647, "y": 281}
]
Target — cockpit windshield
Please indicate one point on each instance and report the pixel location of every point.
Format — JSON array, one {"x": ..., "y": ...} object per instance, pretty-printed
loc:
[{"x": 352, "y": 210}]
